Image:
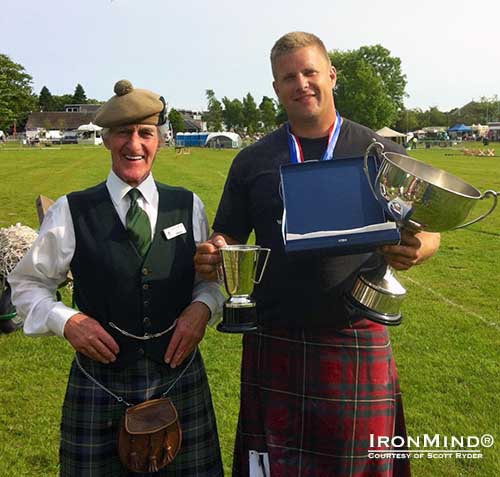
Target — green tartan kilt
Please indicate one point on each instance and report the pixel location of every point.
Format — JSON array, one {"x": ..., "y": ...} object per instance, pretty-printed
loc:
[{"x": 91, "y": 418}]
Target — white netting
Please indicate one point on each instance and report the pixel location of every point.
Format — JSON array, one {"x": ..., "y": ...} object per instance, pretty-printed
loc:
[{"x": 14, "y": 243}]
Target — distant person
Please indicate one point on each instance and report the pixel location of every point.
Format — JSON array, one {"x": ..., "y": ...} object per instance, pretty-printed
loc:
[
  {"x": 141, "y": 311},
  {"x": 414, "y": 142}
]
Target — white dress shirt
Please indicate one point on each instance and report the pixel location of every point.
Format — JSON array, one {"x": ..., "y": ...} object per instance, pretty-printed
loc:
[{"x": 37, "y": 276}]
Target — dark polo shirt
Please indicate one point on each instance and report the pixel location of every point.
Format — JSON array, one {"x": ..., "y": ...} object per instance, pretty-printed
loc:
[{"x": 295, "y": 290}]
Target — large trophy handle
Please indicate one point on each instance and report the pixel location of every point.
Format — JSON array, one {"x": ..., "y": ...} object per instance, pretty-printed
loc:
[
  {"x": 481, "y": 217},
  {"x": 380, "y": 149},
  {"x": 267, "y": 252}
]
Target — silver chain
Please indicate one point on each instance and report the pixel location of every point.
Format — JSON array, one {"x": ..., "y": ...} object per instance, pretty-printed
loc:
[
  {"x": 146, "y": 336},
  {"x": 119, "y": 398}
]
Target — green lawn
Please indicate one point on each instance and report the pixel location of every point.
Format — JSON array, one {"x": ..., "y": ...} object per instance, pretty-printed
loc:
[{"x": 447, "y": 348}]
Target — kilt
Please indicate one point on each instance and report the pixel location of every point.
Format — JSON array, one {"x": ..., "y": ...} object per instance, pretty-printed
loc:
[
  {"x": 91, "y": 418},
  {"x": 311, "y": 398}
]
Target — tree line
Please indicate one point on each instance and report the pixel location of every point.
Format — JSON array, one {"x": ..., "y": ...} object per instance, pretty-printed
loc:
[
  {"x": 370, "y": 90},
  {"x": 241, "y": 116},
  {"x": 18, "y": 100}
]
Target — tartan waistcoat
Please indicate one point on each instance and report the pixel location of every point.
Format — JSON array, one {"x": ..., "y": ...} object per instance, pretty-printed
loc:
[{"x": 113, "y": 283}]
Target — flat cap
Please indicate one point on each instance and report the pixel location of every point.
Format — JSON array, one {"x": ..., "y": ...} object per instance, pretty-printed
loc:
[{"x": 131, "y": 106}]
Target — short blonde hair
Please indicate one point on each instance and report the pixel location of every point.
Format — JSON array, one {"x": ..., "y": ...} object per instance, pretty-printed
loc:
[{"x": 293, "y": 41}]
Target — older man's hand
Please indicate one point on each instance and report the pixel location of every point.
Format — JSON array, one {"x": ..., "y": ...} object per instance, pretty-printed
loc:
[
  {"x": 207, "y": 258},
  {"x": 188, "y": 332},
  {"x": 413, "y": 249},
  {"x": 88, "y": 337}
]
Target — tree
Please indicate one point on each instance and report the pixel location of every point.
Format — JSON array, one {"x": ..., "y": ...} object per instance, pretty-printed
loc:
[
  {"x": 388, "y": 69},
  {"x": 79, "y": 96},
  {"x": 60, "y": 101},
  {"x": 370, "y": 85},
  {"x": 281, "y": 116},
  {"x": 436, "y": 117},
  {"x": 213, "y": 116},
  {"x": 45, "y": 100},
  {"x": 251, "y": 115},
  {"x": 176, "y": 121},
  {"x": 267, "y": 109},
  {"x": 233, "y": 113},
  {"x": 408, "y": 120},
  {"x": 16, "y": 95}
]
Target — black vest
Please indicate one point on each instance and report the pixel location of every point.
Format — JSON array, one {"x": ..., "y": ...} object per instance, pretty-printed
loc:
[{"x": 112, "y": 283}]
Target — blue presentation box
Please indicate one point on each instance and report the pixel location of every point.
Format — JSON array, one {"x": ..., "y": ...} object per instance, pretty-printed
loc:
[{"x": 328, "y": 205}]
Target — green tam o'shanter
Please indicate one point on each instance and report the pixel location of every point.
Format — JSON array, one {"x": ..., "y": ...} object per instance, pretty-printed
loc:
[{"x": 131, "y": 106}]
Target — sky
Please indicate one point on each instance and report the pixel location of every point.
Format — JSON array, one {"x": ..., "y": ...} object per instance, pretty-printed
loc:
[{"x": 450, "y": 50}]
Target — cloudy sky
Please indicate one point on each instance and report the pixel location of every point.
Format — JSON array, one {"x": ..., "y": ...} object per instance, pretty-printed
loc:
[{"x": 449, "y": 49}]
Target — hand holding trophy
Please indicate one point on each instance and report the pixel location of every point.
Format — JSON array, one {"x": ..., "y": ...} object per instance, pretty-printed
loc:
[{"x": 419, "y": 198}]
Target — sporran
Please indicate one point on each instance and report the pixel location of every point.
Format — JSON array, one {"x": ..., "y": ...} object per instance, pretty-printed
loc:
[{"x": 150, "y": 434}]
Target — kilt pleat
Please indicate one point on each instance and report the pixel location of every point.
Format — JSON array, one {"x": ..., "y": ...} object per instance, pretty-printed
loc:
[
  {"x": 311, "y": 399},
  {"x": 91, "y": 418}
]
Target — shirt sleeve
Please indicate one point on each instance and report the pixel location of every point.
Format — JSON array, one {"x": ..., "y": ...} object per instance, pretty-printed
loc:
[
  {"x": 204, "y": 291},
  {"x": 233, "y": 214},
  {"x": 35, "y": 279}
]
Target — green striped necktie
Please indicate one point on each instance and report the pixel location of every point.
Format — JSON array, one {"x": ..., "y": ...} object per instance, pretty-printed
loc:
[{"x": 138, "y": 225}]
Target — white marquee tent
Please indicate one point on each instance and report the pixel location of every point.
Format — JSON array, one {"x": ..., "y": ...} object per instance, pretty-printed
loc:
[
  {"x": 89, "y": 134},
  {"x": 391, "y": 134}
]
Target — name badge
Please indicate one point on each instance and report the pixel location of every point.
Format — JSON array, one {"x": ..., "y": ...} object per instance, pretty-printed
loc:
[{"x": 174, "y": 231}]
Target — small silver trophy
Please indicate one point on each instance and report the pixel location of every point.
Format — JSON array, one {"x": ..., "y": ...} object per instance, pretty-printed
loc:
[
  {"x": 418, "y": 197},
  {"x": 240, "y": 265}
]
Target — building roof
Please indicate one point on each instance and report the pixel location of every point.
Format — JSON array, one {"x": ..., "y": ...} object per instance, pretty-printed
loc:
[
  {"x": 192, "y": 125},
  {"x": 84, "y": 108},
  {"x": 58, "y": 120}
]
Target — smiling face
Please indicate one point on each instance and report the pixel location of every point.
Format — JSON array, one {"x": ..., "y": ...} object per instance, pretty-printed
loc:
[
  {"x": 133, "y": 150},
  {"x": 304, "y": 81}
]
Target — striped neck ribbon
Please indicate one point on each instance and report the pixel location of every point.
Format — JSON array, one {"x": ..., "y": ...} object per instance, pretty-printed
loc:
[{"x": 296, "y": 154}]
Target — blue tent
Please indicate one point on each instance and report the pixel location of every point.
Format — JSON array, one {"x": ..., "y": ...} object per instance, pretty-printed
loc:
[{"x": 460, "y": 128}]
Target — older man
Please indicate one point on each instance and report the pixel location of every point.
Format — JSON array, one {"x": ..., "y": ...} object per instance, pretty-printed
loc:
[
  {"x": 129, "y": 243},
  {"x": 316, "y": 382}
]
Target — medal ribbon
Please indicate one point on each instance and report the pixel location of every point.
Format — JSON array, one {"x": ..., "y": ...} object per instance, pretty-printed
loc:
[{"x": 296, "y": 154}]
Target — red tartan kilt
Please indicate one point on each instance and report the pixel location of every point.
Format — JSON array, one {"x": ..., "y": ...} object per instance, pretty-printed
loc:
[{"x": 311, "y": 399}]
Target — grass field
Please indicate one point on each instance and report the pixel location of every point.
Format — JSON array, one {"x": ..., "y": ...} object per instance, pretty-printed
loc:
[{"x": 447, "y": 348}]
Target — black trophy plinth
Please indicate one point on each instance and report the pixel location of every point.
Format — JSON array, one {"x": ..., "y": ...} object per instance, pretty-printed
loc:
[{"x": 238, "y": 319}]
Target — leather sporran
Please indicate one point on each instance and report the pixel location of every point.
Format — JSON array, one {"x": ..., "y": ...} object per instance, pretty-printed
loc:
[{"x": 150, "y": 435}]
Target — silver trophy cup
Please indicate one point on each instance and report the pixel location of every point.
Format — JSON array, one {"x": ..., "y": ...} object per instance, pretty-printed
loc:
[
  {"x": 240, "y": 264},
  {"x": 418, "y": 197}
]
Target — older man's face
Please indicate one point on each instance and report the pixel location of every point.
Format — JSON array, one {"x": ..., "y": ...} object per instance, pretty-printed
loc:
[{"x": 133, "y": 150}]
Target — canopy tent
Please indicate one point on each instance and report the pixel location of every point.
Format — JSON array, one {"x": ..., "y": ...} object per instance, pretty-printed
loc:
[
  {"x": 396, "y": 136},
  {"x": 89, "y": 134},
  {"x": 223, "y": 139},
  {"x": 388, "y": 132},
  {"x": 460, "y": 128},
  {"x": 89, "y": 127}
]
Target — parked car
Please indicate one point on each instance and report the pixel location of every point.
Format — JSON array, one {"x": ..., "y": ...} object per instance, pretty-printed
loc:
[{"x": 69, "y": 137}]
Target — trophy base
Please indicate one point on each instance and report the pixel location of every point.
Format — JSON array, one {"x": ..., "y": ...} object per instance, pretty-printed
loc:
[
  {"x": 238, "y": 320},
  {"x": 378, "y": 296},
  {"x": 357, "y": 309}
]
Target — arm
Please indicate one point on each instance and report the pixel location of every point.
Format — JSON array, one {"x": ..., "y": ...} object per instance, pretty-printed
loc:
[
  {"x": 414, "y": 249},
  {"x": 34, "y": 282}
]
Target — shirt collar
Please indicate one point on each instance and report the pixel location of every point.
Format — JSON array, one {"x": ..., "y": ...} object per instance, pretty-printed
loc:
[{"x": 119, "y": 189}]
